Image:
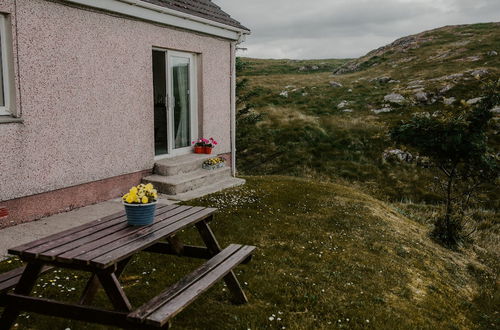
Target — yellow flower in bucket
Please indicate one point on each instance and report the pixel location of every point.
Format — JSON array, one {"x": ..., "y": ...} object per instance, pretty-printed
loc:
[
  {"x": 140, "y": 204},
  {"x": 141, "y": 194}
]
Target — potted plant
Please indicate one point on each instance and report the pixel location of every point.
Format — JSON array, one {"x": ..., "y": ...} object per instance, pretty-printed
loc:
[
  {"x": 199, "y": 146},
  {"x": 140, "y": 204},
  {"x": 204, "y": 146},
  {"x": 213, "y": 163},
  {"x": 211, "y": 143}
]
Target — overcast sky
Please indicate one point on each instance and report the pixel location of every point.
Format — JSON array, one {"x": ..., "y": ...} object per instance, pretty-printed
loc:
[{"x": 307, "y": 29}]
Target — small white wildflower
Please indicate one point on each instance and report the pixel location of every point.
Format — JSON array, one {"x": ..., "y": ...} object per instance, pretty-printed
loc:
[{"x": 271, "y": 318}]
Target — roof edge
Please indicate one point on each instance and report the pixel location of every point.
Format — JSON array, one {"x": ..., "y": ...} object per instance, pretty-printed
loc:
[{"x": 166, "y": 16}]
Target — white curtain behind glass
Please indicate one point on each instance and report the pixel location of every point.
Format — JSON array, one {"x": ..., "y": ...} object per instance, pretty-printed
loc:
[
  {"x": 2, "y": 101},
  {"x": 181, "y": 92}
]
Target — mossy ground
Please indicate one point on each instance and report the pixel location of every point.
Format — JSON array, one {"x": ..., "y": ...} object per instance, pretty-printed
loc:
[{"x": 329, "y": 256}]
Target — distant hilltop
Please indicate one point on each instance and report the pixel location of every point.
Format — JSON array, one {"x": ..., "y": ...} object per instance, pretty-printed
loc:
[{"x": 458, "y": 43}]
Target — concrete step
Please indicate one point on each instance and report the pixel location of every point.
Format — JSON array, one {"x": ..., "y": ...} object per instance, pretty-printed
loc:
[
  {"x": 206, "y": 190},
  {"x": 181, "y": 183},
  {"x": 181, "y": 164}
]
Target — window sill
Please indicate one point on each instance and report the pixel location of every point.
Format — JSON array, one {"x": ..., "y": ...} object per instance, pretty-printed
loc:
[{"x": 10, "y": 120}]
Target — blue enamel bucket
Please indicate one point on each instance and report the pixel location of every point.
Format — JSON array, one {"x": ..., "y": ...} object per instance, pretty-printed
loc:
[{"x": 140, "y": 214}]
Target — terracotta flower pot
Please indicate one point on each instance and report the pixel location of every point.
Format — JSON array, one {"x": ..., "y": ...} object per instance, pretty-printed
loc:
[
  {"x": 208, "y": 150},
  {"x": 199, "y": 150}
]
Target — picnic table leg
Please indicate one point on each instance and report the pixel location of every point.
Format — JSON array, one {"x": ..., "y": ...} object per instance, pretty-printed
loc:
[
  {"x": 93, "y": 283},
  {"x": 213, "y": 247},
  {"x": 24, "y": 287},
  {"x": 176, "y": 244},
  {"x": 114, "y": 291}
]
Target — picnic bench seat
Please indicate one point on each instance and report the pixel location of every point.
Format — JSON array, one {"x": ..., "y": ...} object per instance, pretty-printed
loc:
[
  {"x": 10, "y": 279},
  {"x": 159, "y": 310}
]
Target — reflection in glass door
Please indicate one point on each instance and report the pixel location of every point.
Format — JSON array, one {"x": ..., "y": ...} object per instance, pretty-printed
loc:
[
  {"x": 174, "y": 98},
  {"x": 160, "y": 102},
  {"x": 181, "y": 101}
]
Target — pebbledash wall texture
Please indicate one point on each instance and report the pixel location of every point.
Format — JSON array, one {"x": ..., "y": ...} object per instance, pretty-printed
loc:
[{"x": 84, "y": 86}]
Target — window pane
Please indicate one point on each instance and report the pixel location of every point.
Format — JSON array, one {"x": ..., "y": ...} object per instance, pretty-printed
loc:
[
  {"x": 2, "y": 99},
  {"x": 160, "y": 97},
  {"x": 182, "y": 106}
]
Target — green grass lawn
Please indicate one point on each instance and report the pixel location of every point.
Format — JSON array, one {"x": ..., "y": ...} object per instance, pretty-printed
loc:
[{"x": 328, "y": 257}]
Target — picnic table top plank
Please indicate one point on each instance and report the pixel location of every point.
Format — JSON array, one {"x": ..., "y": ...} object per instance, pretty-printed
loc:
[
  {"x": 128, "y": 246},
  {"x": 49, "y": 249},
  {"x": 18, "y": 250},
  {"x": 102, "y": 242},
  {"x": 69, "y": 243}
]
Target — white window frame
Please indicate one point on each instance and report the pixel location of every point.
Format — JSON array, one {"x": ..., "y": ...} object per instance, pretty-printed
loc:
[{"x": 7, "y": 69}]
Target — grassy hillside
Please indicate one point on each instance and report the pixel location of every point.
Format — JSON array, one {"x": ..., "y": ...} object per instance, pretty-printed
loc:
[
  {"x": 334, "y": 126},
  {"x": 259, "y": 67},
  {"x": 329, "y": 256}
]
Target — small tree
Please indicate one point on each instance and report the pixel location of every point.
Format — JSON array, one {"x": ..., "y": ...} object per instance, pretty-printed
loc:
[
  {"x": 456, "y": 145},
  {"x": 247, "y": 137}
]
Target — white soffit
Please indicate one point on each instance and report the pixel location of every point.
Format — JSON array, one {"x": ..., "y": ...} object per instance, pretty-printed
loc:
[{"x": 167, "y": 16}]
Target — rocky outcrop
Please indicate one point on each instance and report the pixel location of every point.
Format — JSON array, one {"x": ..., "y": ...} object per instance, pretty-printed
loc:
[
  {"x": 381, "y": 110},
  {"x": 398, "y": 155},
  {"x": 479, "y": 73},
  {"x": 495, "y": 109},
  {"x": 342, "y": 104},
  {"x": 394, "y": 98},
  {"x": 421, "y": 97},
  {"x": 381, "y": 80},
  {"x": 474, "y": 100},
  {"x": 449, "y": 100},
  {"x": 309, "y": 68},
  {"x": 446, "y": 88}
]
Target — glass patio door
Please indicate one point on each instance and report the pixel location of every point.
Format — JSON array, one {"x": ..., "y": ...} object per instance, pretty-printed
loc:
[{"x": 175, "y": 102}]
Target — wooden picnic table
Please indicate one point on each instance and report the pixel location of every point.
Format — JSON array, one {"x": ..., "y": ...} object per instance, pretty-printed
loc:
[{"x": 103, "y": 248}]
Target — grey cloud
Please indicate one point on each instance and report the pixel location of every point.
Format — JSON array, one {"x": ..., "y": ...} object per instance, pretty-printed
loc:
[{"x": 343, "y": 28}]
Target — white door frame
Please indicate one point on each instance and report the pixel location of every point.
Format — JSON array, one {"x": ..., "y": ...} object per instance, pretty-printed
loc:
[{"x": 193, "y": 100}]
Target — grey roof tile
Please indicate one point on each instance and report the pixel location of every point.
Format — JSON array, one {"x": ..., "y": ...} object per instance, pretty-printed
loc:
[{"x": 201, "y": 8}]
